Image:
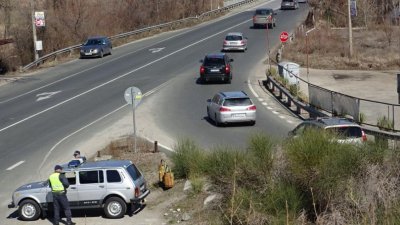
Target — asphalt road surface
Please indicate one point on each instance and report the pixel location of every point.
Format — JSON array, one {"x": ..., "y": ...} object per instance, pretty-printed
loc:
[{"x": 46, "y": 116}]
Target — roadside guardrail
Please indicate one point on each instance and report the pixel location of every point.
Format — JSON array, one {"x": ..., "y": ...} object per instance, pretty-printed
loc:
[
  {"x": 135, "y": 32},
  {"x": 305, "y": 110}
]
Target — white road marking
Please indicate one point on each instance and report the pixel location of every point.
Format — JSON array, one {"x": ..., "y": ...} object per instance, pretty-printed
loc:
[
  {"x": 46, "y": 95},
  {"x": 282, "y": 117},
  {"x": 15, "y": 165},
  {"x": 251, "y": 89},
  {"x": 260, "y": 99},
  {"x": 154, "y": 50},
  {"x": 121, "y": 76},
  {"x": 264, "y": 103},
  {"x": 99, "y": 119},
  {"x": 289, "y": 121},
  {"x": 270, "y": 108},
  {"x": 275, "y": 112}
]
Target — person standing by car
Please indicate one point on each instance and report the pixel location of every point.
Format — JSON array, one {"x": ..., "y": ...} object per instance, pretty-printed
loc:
[
  {"x": 77, "y": 155},
  {"x": 59, "y": 184}
]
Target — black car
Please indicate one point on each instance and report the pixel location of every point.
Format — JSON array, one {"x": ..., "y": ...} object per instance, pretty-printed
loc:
[
  {"x": 96, "y": 46},
  {"x": 216, "y": 67}
]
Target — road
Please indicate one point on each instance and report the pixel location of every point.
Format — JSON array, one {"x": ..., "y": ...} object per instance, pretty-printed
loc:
[{"x": 46, "y": 116}]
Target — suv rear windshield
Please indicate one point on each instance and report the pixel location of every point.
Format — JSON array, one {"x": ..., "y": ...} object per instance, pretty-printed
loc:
[
  {"x": 350, "y": 132},
  {"x": 133, "y": 172},
  {"x": 210, "y": 61},
  {"x": 263, "y": 11},
  {"x": 233, "y": 38},
  {"x": 237, "y": 102}
]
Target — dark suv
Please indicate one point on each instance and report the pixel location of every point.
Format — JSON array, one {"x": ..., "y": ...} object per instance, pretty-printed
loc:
[{"x": 216, "y": 67}]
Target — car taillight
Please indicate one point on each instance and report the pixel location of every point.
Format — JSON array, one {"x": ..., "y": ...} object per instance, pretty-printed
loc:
[
  {"x": 252, "y": 108},
  {"x": 202, "y": 70},
  {"x": 242, "y": 42},
  {"x": 364, "y": 136},
  {"x": 137, "y": 192},
  {"x": 225, "y": 42},
  {"x": 269, "y": 17},
  {"x": 224, "y": 109},
  {"x": 254, "y": 18},
  {"x": 227, "y": 69}
]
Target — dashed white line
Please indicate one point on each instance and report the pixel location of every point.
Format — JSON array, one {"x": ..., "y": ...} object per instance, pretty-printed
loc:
[
  {"x": 264, "y": 103},
  {"x": 270, "y": 108},
  {"x": 275, "y": 112},
  {"x": 15, "y": 165},
  {"x": 282, "y": 117},
  {"x": 289, "y": 121},
  {"x": 260, "y": 99}
]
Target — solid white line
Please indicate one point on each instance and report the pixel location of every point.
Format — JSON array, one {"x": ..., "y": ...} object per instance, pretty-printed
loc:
[
  {"x": 251, "y": 89},
  {"x": 15, "y": 165},
  {"x": 119, "y": 77},
  {"x": 97, "y": 120}
]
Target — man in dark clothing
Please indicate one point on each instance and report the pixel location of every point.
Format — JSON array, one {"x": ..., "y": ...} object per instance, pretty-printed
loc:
[{"x": 59, "y": 184}]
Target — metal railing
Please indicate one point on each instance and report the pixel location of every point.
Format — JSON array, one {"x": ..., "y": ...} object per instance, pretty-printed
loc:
[{"x": 146, "y": 29}]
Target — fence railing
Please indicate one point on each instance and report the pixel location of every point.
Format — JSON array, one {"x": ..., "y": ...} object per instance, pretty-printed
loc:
[
  {"x": 135, "y": 32},
  {"x": 305, "y": 110}
]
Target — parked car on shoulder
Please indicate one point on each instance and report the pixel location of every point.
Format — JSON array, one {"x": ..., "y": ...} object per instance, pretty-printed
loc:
[
  {"x": 289, "y": 4},
  {"x": 346, "y": 130},
  {"x": 264, "y": 17},
  {"x": 96, "y": 46},
  {"x": 235, "y": 41},
  {"x": 216, "y": 67},
  {"x": 112, "y": 185},
  {"x": 231, "y": 107}
]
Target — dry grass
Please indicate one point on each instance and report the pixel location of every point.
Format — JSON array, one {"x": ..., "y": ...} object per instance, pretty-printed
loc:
[{"x": 329, "y": 48}]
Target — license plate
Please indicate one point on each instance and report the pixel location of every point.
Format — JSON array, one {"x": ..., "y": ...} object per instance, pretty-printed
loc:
[
  {"x": 239, "y": 115},
  {"x": 214, "y": 70},
  {"x": 88, "y": 53}
]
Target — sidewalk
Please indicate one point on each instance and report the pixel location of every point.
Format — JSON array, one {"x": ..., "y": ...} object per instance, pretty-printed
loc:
[{"x": 372, "y": 85}]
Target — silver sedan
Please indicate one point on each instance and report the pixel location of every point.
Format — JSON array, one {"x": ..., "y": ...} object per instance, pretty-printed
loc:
[{"x": 235, "y": 41}]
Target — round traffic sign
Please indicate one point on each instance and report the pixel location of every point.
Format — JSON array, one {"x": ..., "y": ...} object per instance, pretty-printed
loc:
[
  {"x": 284, "y": 36},
  {"x": 133, "y": 95}
]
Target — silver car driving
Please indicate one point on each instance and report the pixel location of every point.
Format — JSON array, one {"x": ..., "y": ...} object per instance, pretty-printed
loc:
[
  {"x": 231, "y": 107},
  {"x": 235, "y": 41}
]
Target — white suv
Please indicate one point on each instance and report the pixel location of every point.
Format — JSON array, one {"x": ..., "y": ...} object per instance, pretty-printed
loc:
[{"x": 109, "y": 184}]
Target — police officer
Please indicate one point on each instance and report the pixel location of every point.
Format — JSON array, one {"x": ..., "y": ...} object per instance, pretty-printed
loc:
[{"x": 59, "y": 184}]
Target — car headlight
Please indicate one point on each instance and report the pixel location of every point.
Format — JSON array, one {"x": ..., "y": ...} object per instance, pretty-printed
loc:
[
  {"x": 82, "y": 50},
  {"x": 95, "y": 50}
]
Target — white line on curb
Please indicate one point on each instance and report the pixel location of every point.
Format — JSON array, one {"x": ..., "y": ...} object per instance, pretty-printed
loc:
[{"x": 15, "y": 165}]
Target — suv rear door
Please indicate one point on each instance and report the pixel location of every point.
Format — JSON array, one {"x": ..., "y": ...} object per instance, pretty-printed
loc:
[
  {"x": 214, "y": 65},
  {"x": 91, "y": 188}
]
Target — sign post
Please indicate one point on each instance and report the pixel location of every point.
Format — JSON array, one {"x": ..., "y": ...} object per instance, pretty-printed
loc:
[
  {"x": 133, "y": 96},
  {"x": 398, "y": 86}
]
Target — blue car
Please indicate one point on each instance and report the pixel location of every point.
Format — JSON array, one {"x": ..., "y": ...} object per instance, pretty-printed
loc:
[{"x": 97, "y": 46}]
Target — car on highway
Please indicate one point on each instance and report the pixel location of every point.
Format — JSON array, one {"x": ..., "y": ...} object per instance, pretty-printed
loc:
[
  {"x": 231, "y": 107},
  {"x": 235, "y": 41},
  {"x": 216, "y": 67},
  {"x": 264, "y": 17},
  {"x": 96, "y": 46},
  {"x": 289, "y": 4},
  {"x": 346, "y": 130},
  {"x": 112, "y": 185}
]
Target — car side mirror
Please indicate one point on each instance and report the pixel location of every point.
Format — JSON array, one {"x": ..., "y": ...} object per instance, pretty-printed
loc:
[
  {"x": 275, "y": 13},
  {"x": 245, "y": 38},
  {"x": 208, "y": 100},
  {"x": 201, "y": 61},
  {"x": 230, "y": 60}
]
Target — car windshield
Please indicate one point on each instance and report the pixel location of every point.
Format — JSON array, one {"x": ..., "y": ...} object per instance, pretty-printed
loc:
[
  {"x": 233, "y": 38},
  {"x": 210, "y": 61},
  {"x": 348, "y": 132},
  {"x": 263, "y": 12},
  {"x": 237, "y": 102},
  {"x": 133, "y": 172},
  {"x": 93, "y": 42}
]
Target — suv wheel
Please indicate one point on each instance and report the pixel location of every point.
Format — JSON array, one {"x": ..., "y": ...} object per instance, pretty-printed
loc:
[
  {"x": 29, "y": 210},
  {"x": 114, "y": 208}
]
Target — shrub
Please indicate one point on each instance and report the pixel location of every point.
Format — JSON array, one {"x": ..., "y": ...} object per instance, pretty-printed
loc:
[
  {"x": 385, "y": 123},
  {"x": 188, "y": 159}
]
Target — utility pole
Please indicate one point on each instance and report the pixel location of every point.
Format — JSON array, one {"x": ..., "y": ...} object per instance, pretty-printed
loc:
[
  {"x": 34, "y": 29},
  {"x": 350, "y": 31}
]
